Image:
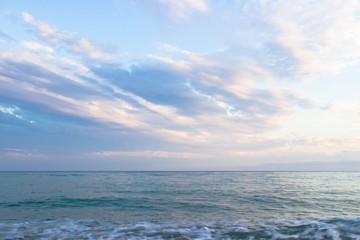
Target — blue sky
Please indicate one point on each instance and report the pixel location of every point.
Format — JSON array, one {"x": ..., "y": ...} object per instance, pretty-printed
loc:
[{"x": 180, "y": 85}]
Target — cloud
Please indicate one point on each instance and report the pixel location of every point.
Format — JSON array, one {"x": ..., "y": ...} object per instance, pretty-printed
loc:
[
  {"x": 218, "y": 85},
  {"x": 151, "y": 98},
  {"x": 230, "y": 110},
  {"x": 182, "y": 10},
  {"x": 58, "y": 86},
  {"x": 15, "y": 112},
  {"x": 46, "y": 32},
  {"x": 89, "y": 50},
  {"x": 148, "y": 154},
  {"x": 307, "y": 37},
  {"x": 221, "y": 104},
  {"x": 18, "y": 153},
  {"x": 35, "y": 46},
  {"x": 83, "y": 47},
  {"x": 186, "y": 92},
  {"x": 182, "y": 97}
]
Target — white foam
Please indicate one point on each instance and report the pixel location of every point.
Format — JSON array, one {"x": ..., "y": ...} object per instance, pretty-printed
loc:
[
  {"x": 277, "y": 236},
  {"x": 335, "y": 229}
]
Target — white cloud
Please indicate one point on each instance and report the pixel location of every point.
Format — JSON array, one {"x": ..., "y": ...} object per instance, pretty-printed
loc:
[
  {"x": 27, "y": 17},
  {"x": 230, "y": 110},
  {"x": 46, "y": 32},
  {"x": 182, "y": 10},
  {"x": 178, "y": 65},
  {"x": 51, "y": 35},
  {"x": 314, "y": 37},
  {"x": 14, "y": 111},
  {"x": 89, "y": 50},
  {"x": 35, "y": 46}
]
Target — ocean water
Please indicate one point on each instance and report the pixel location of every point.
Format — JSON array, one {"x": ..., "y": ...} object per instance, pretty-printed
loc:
[{"x": 179, "y": 205}]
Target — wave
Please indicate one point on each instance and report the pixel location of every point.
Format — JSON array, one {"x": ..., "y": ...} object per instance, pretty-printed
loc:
[
  {"x": 60, "y": 202},
  {"x": 135, "y": 202},
  {"x": 334, "y": 228}
]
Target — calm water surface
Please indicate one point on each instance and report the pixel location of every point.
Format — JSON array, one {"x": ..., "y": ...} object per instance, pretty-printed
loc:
[{"x": 179, "y": 205}]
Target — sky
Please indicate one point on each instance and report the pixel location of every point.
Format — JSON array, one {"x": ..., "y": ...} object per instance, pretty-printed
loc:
[{"x": 180, "y": 85}]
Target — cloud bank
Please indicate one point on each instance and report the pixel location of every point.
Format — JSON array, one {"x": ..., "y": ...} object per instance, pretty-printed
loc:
[{"x": 227, "y": 103}]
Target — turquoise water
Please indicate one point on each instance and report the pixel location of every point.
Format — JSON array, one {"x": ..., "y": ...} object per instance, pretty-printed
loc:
[{"x": 179, "y": 205}]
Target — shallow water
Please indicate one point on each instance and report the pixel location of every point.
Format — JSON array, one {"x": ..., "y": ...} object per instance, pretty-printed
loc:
[{"x": 179, "y": 205}]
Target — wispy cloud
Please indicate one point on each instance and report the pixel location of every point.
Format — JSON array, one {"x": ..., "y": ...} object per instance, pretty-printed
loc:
[
  {"x": 15, "y": 112},
  {"x": 182, "y": 10},
  {"x": 35, "y": 46},
  {"x": 46, "y": 32},
  {"x": 309, "y": 38},
  {"x": 20, "y": 154},
  {"x": 69, "y": 41},
  {"x": 148, "y": 154}
]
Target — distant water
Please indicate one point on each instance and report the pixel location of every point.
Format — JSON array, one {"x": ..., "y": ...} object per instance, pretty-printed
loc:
[{"x": 179, "y": 205}]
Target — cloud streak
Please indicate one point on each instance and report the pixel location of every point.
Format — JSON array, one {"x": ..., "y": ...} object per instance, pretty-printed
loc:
[
  {"x": 149, "y": 154},
  {"x": 50, "y": 35}
]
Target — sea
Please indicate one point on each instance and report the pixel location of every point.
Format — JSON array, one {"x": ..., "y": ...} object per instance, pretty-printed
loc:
[{"x": 180, "y": 205}]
